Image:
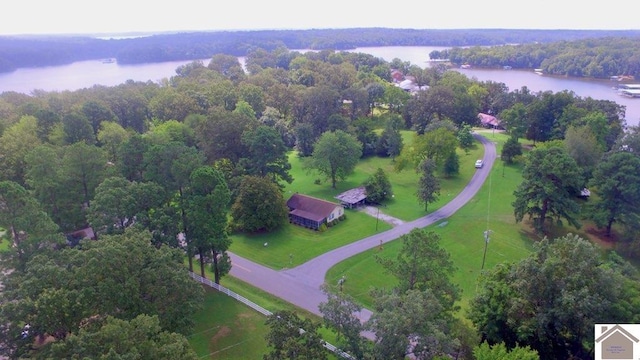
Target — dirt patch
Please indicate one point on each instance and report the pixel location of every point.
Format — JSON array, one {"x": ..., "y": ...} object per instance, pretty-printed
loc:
[
  {"x": 600, "y": 237},
  {"x": 222, "y": 333}
]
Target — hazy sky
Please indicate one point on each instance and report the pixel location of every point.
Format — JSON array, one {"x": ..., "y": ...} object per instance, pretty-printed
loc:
[{"x": 115, "y": 16}]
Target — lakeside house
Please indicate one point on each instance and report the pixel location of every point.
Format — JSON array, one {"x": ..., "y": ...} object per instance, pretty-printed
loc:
[{"x": 312, "y": 212}]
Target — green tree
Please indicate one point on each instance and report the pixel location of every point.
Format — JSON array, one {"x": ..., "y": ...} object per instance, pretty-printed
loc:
[
  {"x": 267, "y": 154},
  {"x": 120, "y": 203},
  {"x": 170, "y": 165},
  {"x": 287, "y": 341},
  {"x": 46, "y": 120},
  {"x": 451, "y": 166},
  {"x": 110, "y": 136},
  {"x": 436, "y": 144},
  {"x": 428, "y": 185},
  {"x": 390, "y": 141},
  {"x": 86, "y": 167},
  {"x": 395, "y": 98},
  {"x": 465, "y": 137},
  {"x": 259, "y": 206},
  {"x": 335, "y": 155},
  {"x": 208, "y": 200},
  {"x": 423, "y": 264},
  {"x": 44, "y": 177},
  {"x": 411, "y": 323},
  {"x": 510, "y": 150},
  {"x": 499, "y": 351},
  {"x": 220, "y": 137},
  {"x": 15, "y": 143},
  {"x": 29, "y": 228},
  {"x": 616, "y": 181},
  {"x": 172, "y": 130},
  {"x": 583, "y": 147},
  {"x": 338, "y": 314},
  {"x": 551, "y": 299},
  {"x": 551, "y": 181},
  {"x": 137, "y": 339},
  {"x": 378, "y": 187},
  {"x": 131, "y": 154},
  {"x": 122, "y": 276},
  {"x": 97, "y": 112},
  {"x": 228, "y": 66},
  {"x": 77, "y": 128},
  {"x": 515, "y": 120}
]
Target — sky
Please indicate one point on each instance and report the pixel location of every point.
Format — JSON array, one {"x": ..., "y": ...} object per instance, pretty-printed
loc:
[{"x": 124, "y": 16}]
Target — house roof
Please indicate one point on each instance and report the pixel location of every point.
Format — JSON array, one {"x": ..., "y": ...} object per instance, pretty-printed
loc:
[
  {"x": 487, "y": 119},
  {"x": 309, "y": 207},
  {"x": 353, "y": 196},
  {"x": 618, "y": 328}
]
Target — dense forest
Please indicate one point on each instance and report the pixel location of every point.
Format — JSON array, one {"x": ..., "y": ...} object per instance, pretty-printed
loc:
[
  {"x": 202, "y": 152},
  {"x": 34, "y": 51},
  {"x": 595, "y": 58}
]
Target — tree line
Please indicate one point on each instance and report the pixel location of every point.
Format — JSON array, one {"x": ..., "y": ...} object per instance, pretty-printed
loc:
[
  {"x": 173, "y": 168},
  {"x": 34, "y": 51},
  {"x": 600, "y": 58}
]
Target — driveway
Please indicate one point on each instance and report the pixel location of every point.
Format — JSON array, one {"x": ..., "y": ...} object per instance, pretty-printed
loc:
[{"x": 301, "y": 285}]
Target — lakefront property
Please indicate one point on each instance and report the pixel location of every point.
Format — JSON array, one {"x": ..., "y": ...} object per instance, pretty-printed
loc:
[{"x": 312, "y": 212}]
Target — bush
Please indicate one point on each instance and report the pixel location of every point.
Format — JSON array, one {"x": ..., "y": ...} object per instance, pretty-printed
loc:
[{"x": 323, "y": 228}]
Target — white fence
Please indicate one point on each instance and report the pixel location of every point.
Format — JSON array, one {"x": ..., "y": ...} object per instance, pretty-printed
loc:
[{"x": 258, "y": 308}]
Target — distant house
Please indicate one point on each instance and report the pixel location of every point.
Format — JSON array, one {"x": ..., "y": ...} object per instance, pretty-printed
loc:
[
  {"x": 312, "y": 212},
  {"x": 74, "y": 238},
  {"x": 353, "y": 197},
  {"x": 489, "y": 121},
  {"x": 397, "y": 75}
]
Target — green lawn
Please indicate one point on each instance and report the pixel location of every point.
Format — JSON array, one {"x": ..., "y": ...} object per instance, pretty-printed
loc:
[
  {"x": 462, "y": 237},
  {"x": 404, "y": 205},
  {"x": 293, "y": 245},
  {"x": 227, "y": 329},
  {"x": 305, "y": 244},
  {"x": 4, "y": 241}
]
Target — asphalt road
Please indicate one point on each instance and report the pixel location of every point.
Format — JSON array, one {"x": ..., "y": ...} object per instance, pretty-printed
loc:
[{"x": 301, "y": 285}]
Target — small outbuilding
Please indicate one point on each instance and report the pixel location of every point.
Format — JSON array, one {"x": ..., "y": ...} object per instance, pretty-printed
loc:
[
  {"x": 353, "y": 198},
  {"x": 312, "y": 212}
]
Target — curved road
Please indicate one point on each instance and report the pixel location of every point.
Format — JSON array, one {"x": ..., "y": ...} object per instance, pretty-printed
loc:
[{"x": 301, "y": 285}]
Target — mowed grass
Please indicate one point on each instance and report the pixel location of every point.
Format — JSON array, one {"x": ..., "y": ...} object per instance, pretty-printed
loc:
[
  {"x": 227, "y": 329},
  {"x": 293, "y": 245},
  {"x": 462, "y": 237}
]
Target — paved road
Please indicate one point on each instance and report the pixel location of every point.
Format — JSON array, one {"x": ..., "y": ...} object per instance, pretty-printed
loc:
[{"x": 301, "y": 285}]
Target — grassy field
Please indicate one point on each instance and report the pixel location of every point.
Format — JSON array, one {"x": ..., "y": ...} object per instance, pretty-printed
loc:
[
  {"x": 304, "y": 244},
  {"x": 462, "y": 237},
  {"x": 293, "y": 245},
  {"x": 227, "y": 329}
]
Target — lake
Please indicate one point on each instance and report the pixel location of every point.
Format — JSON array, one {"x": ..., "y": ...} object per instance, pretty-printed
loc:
[{"x": 88, "y": 73}]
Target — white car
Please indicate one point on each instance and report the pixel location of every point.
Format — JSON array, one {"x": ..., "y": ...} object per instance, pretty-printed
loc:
[{"x": 479, "y": 164}]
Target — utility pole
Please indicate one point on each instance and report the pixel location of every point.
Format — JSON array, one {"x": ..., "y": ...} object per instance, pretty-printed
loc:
[{"x": 486, "y": 242}]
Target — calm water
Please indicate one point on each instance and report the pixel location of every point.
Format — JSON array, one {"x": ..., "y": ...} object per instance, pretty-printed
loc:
[{"x": 88, "y": 73}]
